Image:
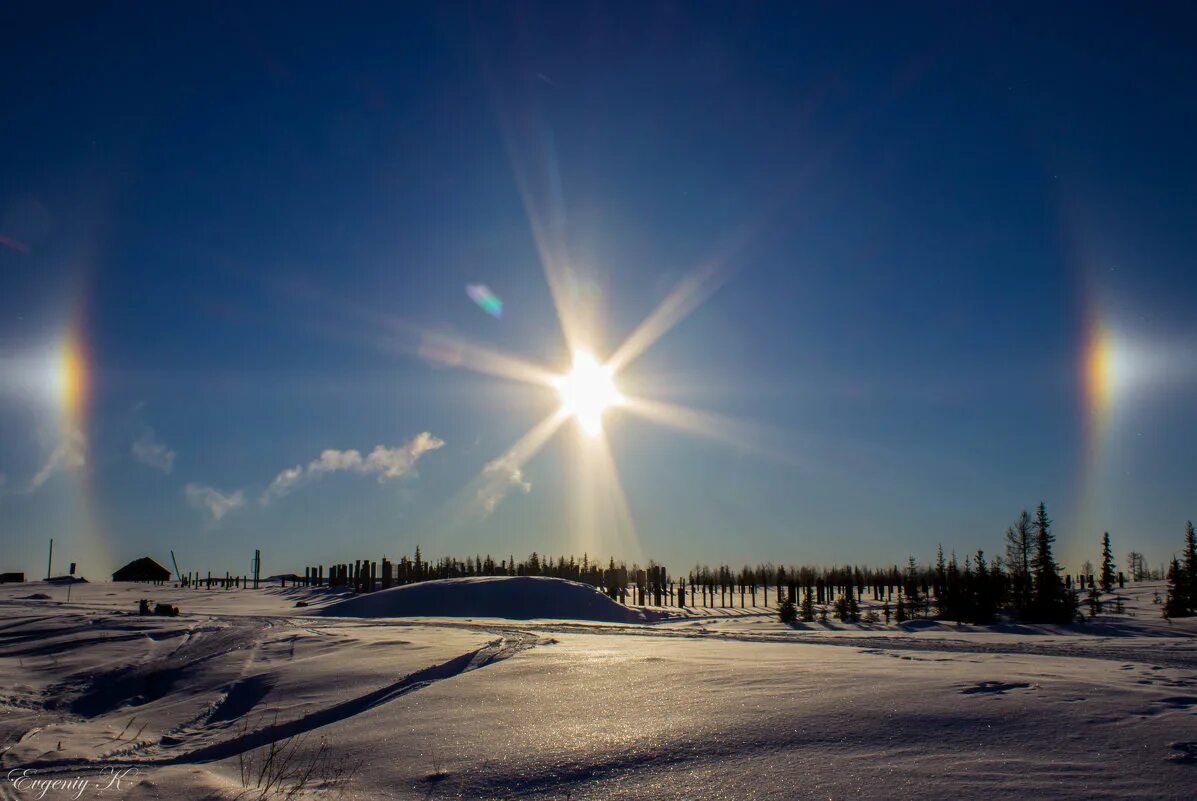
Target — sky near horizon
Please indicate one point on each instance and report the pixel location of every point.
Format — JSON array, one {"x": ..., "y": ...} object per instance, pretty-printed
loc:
[{"x": 281, "y": 278}]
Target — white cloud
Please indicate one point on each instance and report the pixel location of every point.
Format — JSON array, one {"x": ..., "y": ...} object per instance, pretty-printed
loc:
[
  {"x": 69, "y": 454},
  {"x": 283, "y": 483},
  {"x": 498, "y": 478},
  {"x": 152, "y": 453},
  {"x": 389, "y": 463},
  {"x": 331, "y": 461},
  {"x": 383, "y": 462},
  {"x": 217, "y": 503}
]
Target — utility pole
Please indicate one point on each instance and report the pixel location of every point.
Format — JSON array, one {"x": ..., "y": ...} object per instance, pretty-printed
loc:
[{"x": 50, "y": 561}]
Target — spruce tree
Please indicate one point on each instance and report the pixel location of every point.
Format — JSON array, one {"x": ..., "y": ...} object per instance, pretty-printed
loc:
[
  {"x": 913, "y": 596},
  {"x": 1107, "y": 564},
  {"x": 851, "y": 608},
  {"x": 954, "y": 592},
  {"x": 841, "y": 608},
  {"x": 941, "y": 579},
  {"x": 984, "y": 605},
  {"x": 1093, "y": 601},
  {"x": 808, "y": 606},
  {"x": 787, "y": 612},
  {"x": 1174, "y": 605},
  {"x": 1190, "y": 569},
  {"x": 1051, "y": 601}
]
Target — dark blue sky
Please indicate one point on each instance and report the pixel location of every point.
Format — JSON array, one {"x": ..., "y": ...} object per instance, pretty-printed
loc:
[{"x": 928, "y": 221}]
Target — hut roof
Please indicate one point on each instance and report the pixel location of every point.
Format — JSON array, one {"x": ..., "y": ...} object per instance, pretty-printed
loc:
[{"x": 143, "y": 569}]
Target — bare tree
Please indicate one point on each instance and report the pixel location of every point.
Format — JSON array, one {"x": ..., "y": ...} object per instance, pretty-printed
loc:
[
  {"x": 1136, "y": 565},
  {"x": 285, "y": 768}
]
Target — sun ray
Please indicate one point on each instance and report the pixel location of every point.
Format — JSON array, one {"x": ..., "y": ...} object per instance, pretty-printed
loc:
[
  {"x": 603, "y": 519},
  {"x": 683, "y": 299},
  {"x": 454, "y": 351},
  {"x": 388, "y": 332},
  {"x": 538, "y": 181},
  {"x": 501, "y": 474},
  {"x": 693, "y": 290},
  {"x": 739, "y": 434}
]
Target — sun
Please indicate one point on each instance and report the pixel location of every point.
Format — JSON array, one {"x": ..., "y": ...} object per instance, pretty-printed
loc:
[{"x": 587, "y": 391}]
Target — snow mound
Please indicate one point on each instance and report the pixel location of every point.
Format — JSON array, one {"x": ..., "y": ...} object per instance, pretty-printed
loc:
[{"x": 513, "y": 597}]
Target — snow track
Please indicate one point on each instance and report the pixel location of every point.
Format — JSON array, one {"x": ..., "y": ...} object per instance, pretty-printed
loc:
[{"x": 495, "y": 651}]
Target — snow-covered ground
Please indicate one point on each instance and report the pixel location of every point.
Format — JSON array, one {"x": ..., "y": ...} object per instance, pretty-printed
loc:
[{"x": 723, "y": 703}]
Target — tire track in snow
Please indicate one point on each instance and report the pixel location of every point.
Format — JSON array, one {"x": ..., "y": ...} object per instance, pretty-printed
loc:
[
  {"x": 492, "y": 652},
  {"x": 497, "y": 650}
]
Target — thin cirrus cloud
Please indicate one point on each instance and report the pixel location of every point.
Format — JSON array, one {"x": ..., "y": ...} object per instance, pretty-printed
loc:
[
  {"x": 214, "y": 501},
  {"x": 384, "y": 463},
  {"x": 152, "y": 453},
  {"x": 500, "y": 477},
  {"x": 69, "y": 454}
]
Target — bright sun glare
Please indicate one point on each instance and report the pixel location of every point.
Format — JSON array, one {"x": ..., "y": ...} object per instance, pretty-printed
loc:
[{"x": 587, "y": 391}]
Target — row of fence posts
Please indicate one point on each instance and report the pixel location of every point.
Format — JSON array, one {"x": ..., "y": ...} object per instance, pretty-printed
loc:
[
  {"x": 722, "y": 594},
  {"x": 194, "y": 581},
  {"x": 362, "y": 575},
  {"x": 656, "y": 591},
  {"x": 1083, "y": 581}
]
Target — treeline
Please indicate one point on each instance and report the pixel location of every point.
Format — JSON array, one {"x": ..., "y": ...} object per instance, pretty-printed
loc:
[
  {"x": 1182, "y": 580},
  {"x": 1025, "y": 583}
]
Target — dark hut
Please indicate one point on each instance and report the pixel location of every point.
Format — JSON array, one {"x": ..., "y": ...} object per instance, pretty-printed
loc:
[{"x": 143, "y": 569}]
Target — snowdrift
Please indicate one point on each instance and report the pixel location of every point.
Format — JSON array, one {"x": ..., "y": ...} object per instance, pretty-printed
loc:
[{"x": 513, "y": 597}]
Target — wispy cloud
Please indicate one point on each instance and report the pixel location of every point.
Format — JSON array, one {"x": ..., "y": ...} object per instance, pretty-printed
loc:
[
  {"x": 216, "y": 503},
  {"x": 69, "y": 454},
  {"x": 500, "y": 477},
  {"x": 283, "y": 483},
  {"x": 383, "y": 462},
  {"x": 152, "y": 453}
]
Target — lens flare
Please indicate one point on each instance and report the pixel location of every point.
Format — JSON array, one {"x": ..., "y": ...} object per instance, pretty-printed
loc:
[
  {"x": 487, "y": 301},
  {"x": 587, "y": 391}
]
